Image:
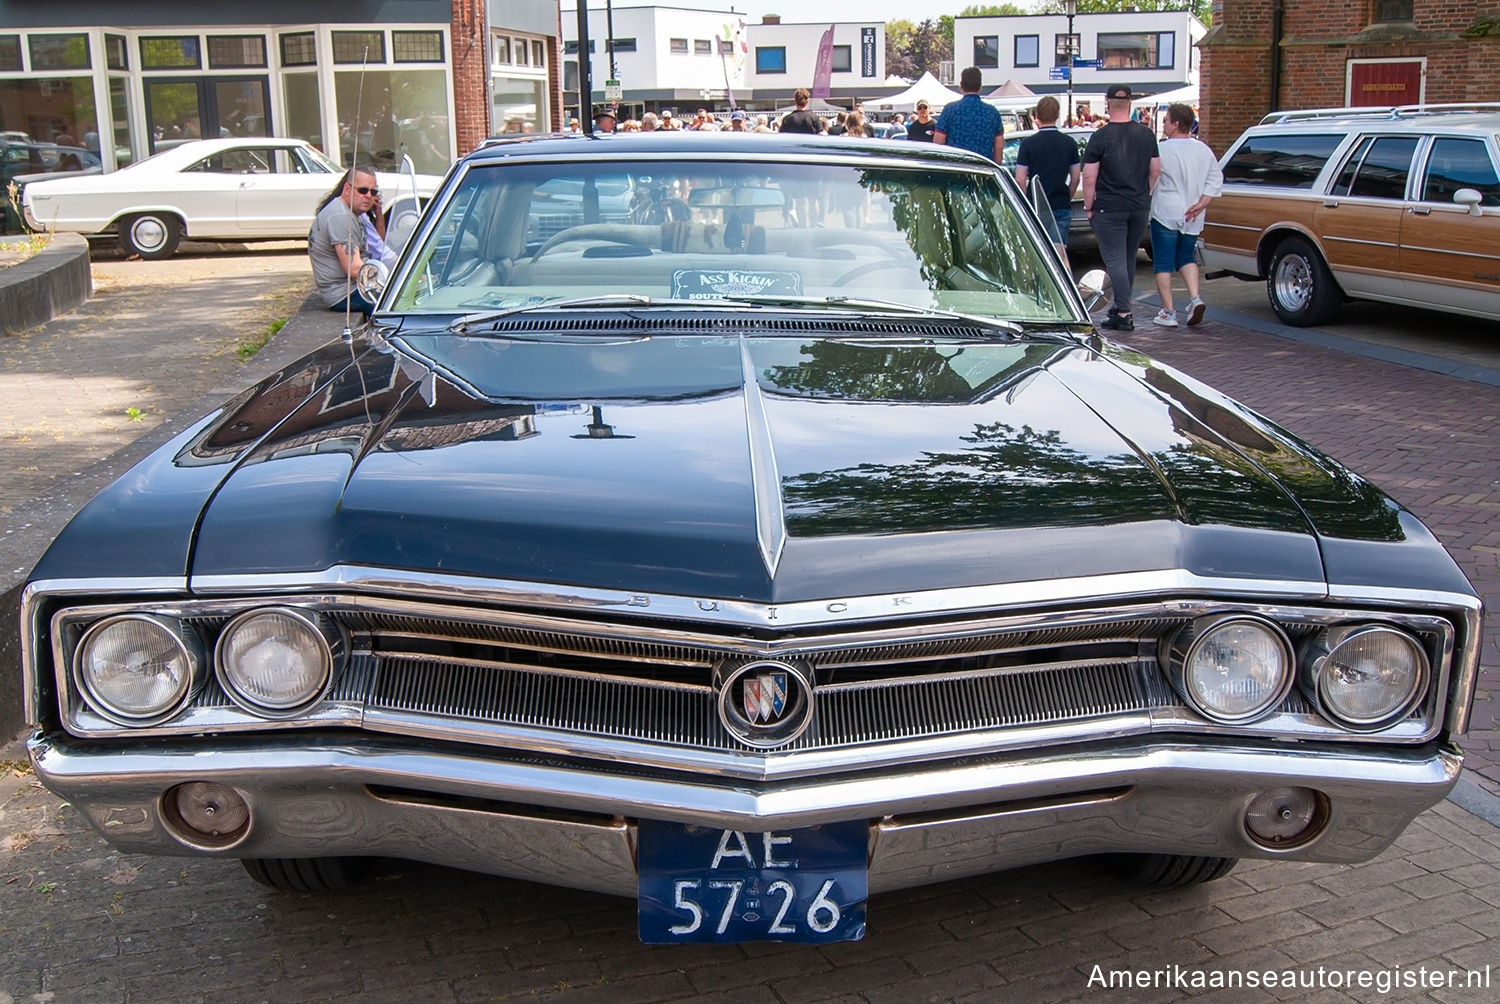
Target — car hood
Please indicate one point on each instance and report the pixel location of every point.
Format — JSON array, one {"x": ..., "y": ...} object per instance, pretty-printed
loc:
[{"x": 769, "y": 469}]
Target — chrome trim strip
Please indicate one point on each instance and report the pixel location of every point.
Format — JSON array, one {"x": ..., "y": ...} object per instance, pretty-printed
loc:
[
  {"x": 31, "y": 620},
  {"x": 1356, "y": 240},
  {"x": 1114, "y": 589},
  {"x": 1233, "y": 226},
  {"x": 1452, "y": 251},
  {"x": 765, "y": 477}
]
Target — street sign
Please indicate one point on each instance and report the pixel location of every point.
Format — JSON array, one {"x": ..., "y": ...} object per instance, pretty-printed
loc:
[
  {"x": 1058, "y": 73},
  {"x": 1088, "y": 64},
  {"x": 613, "y": 91}
]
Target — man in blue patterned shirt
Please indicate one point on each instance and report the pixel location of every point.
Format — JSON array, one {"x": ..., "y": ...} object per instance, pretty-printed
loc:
[{"x": 969, "y": 123}]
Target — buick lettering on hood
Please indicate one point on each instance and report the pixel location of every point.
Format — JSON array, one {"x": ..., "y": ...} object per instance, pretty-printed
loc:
[{"x": 776, "y": 532}]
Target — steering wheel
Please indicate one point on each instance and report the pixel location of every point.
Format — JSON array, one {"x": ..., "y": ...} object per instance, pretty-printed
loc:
[{"x": 885, "y": 265}]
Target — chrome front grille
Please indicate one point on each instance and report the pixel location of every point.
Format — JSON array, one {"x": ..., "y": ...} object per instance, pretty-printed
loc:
[{"x": 634, "y": 693}]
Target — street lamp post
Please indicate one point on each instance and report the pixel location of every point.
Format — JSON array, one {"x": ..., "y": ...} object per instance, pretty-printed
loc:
[{"x": 1070, "y": 7}]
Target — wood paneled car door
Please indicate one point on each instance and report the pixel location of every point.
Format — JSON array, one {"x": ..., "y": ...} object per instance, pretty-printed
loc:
[
  {"x": 1452, "y": 258},
  {"x": 1360, "y": 217}
]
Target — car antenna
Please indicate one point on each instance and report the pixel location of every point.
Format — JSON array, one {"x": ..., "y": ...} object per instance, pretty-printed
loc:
[{"x": 354, "y": 219}]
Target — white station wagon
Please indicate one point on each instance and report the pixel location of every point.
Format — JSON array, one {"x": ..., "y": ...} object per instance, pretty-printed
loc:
[{"x": 239, "y": 189}]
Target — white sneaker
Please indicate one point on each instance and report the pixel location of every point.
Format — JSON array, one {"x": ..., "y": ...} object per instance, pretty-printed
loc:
[
  {"x": 1195, "y": 309},
  {"x": 1166, "y": 318}
]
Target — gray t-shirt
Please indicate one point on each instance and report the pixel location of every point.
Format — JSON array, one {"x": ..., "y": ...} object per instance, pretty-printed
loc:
[{"x": 336, "y": 224}]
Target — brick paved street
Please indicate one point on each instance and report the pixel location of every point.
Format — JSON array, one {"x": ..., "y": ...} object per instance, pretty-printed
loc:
[{"x": 83, "y": 923}]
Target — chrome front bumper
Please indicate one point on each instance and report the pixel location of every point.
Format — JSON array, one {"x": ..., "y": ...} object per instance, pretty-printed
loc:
[{"x": 549, "y": 821}]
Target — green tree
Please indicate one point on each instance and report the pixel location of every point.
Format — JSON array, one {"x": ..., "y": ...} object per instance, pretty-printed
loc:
[
  {"x": 992, "y": 10},
  {"x": 912, "y": 49},
  {"x": 1202, "y": 8}
]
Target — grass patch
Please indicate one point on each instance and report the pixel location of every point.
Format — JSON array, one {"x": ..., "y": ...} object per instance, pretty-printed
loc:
[{"x": 248, "y": 349}]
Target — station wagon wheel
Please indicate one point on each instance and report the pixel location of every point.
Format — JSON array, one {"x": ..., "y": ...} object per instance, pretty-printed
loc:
[
  {"x": 306, "y": 874},
  {"x": 1301, "y": 289},
  {"x": 1168, "y": 870},
  {"x": 150, "y": 235}
]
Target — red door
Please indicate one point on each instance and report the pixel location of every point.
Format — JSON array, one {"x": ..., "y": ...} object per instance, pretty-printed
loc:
[{"x": 1385, "y": 82}]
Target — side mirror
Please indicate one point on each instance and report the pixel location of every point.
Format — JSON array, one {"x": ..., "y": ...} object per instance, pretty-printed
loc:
[
  {"x": 371, "y": 280},
  {"x": 1469, "y": 197},
  {"x": 1091, "y": 286}
]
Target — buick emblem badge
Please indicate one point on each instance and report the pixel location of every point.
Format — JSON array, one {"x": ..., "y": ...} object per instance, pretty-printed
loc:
[{"x": 764, "y": 703}]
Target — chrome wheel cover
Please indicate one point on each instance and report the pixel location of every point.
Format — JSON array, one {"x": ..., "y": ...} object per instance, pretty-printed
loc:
[
  {"x": 1293, "y": 282},
  {"x": 148, "y": 234}
]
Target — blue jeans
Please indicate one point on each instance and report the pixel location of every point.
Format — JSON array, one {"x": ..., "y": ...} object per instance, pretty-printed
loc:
[
  {"x": 1119, "y": 234},
  {"x": 1064, "y": 220},
  {"x": 354, "y": 302}
]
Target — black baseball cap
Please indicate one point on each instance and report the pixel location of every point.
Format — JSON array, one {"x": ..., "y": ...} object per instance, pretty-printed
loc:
[{"x": 1118, "y": 92}]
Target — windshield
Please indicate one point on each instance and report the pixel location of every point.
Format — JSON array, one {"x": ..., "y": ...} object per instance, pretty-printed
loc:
[{"x": 514, "y": 235}]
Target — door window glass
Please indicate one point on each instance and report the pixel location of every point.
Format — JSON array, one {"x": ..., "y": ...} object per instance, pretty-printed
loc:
[
  {"x": 1384, "y": 171},
  {"x": 1460, "y": 163},
  {"x": 1293, "y": 161}
]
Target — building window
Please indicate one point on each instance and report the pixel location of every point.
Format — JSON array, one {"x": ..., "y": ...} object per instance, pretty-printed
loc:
[
  {"x": 233, "y": 52},
  {"x": 10, "y": 52},
  {"x": 538, "y": 55},
  {"x": 624, "y": 45},
  {"x": 1137, "y": 50},
  {"x": 116, "y": 52},
  {"x": 1028, "y": 50},
  {"x": 703, "y": 47},
  {"x": 1391, "y": 10},
  {"x": 1064, "y": 48},
  {"x": 678, "y": 45},
  {"x": 843, "y": 59},
  {"x": 521, "y": 52},
  {"x": 171, "y": 53},
  {"x": 359, "y": 47},
  {"x": 501, "y": 55},
  {"x": 59, "y": 52},
  {"x": 770, "y": 59},
  {"x": 422, "y": 47},
  {"x": 726, "y": 47},
  {"x": 986, "y": 51},
  {"x": 299, "y": 49}
]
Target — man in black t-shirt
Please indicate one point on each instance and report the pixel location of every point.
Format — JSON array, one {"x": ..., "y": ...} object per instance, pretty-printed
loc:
[
  {"x": 1120, "y": 168},
  {"x": 801, "y": 120},
  {"x": 920, "y": 128},
  {"x": 1052, "y": 157}
]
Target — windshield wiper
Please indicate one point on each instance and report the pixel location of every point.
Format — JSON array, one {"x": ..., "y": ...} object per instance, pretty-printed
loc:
[
  {"x": 462, "y": 325},
  {"x": 887, "y": 306}
]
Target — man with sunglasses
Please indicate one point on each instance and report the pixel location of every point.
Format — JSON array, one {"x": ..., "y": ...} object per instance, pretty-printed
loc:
[{"x": 336, "y": 243}]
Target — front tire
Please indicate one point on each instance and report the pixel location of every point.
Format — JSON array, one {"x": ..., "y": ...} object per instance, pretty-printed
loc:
[
  {"x": 1301, "y": 288},
  {"x": 1166, "y": 871},
  {"x": 320, "y": 875},
  {"x": 151, "y": 235}
]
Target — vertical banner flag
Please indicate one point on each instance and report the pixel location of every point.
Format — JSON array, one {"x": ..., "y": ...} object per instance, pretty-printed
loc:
[
  {"x": 867, "y": 52},
  {"x": 823, "y": 71}
]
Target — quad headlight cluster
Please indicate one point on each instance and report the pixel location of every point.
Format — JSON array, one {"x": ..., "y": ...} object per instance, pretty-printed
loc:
[
  {"x": 1236, "y": 668},
  {"x": 139, "y": 669}
]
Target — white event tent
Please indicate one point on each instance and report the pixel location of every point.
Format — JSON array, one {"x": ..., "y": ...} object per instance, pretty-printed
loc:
[
  {"x": 926, "y": 88},
  {"x": 1181, "y": 95}
]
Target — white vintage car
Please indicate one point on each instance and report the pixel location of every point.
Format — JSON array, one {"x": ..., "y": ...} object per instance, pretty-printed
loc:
[{"x": 239, "y": 189}]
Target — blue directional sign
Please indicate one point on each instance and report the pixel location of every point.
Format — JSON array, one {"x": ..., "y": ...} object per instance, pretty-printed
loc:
[
  {"x": 1088, "y": 64},
  {"x": 1058, "y": 73}
]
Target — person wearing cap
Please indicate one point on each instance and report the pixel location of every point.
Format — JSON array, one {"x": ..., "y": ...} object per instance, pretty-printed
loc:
[
  {"x": 969, "y": 123},
  {"x": 737, "y": 122},
  {"x": 1190, "y": 178},
  {"x": 920, "y": 128},
  {"x": 1120, "y": 167},
  {"x": 604, "y": 120}
]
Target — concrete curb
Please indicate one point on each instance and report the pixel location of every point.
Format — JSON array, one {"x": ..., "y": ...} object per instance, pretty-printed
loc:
[
  {"x": 51, "y": 282},
  {"x": 30, "y": 528}
]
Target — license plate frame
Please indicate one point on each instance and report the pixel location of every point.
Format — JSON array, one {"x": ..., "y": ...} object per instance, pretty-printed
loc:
[{"x": 709, "y": 885}]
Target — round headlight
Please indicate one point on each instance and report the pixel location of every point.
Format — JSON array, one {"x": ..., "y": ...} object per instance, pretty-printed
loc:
[
  {"x": 138, "y": 670},
  {"x": 279, "y": 660},
  {"x": 1231, "y": 669},
  {"x": 1366, "y": 676}
]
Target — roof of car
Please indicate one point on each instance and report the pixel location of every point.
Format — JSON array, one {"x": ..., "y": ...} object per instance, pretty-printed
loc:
[
  {"x": 730, "y": 146},
  {"x": 1483, "y": 117}
]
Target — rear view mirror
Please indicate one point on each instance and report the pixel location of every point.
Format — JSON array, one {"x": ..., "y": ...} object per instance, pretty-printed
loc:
[
  {"x": 1091, "y": 286},
  {"x": 371, "y": 280}
]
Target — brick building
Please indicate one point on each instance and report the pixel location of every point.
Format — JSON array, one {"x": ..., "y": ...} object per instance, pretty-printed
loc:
[{"x": 1267, "y": 55}]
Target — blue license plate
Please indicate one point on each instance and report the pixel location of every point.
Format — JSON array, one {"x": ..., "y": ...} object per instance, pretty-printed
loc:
[{"x": 703, "y": 884}]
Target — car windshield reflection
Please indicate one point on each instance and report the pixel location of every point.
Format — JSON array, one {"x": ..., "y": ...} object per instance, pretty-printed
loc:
[{"x": 518, "y": 235}]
